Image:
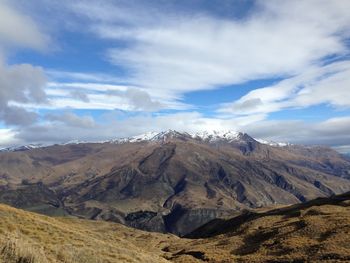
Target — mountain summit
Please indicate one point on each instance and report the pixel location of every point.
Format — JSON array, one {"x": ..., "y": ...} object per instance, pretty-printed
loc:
[
  {"x": 169, "y": 181},
  {"x": 164, "y": 136},
  {"x": 208, "y": 136}
]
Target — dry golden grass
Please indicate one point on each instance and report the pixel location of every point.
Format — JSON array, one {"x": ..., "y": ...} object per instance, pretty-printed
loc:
[
  {"x": 312, "y": 234},
  {"x": 38, "y": 239},
  {"x": 16, "y": 249},
  {"x": 319, "y": 232}
]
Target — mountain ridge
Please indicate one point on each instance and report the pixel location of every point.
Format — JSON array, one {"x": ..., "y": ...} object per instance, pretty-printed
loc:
[
  {"x": 213, "y": 135},
  {"x": 173, "y": 183}
]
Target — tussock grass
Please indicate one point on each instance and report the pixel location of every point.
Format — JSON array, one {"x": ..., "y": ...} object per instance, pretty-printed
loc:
[
  {"x": 71, "y": 254},
  {"x": 16, "y": 249},
  {"x": 27, "y": 237},
  {"x": 317, "y": 233}
]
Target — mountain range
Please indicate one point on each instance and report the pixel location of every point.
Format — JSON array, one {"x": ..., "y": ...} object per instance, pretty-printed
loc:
[{"x": 170, "y": 182}]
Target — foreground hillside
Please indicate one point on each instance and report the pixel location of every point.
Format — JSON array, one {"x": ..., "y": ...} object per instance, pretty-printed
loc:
[
  {"x": 32, "y": 238},
  {"x": 171, "y": 182},
  {"x": 317, "y": 231}
]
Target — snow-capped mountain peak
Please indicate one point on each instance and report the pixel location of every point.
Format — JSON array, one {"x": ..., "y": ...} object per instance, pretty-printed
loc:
[
  {"x": 153, "y": 136},
  {"x": 22, "y": 148},
  {"x": 216, "y": 135},
  {"x": 209, "y": 136},
  {"x": 164, "y": 136},
  {"x": 272, "y": 143},
  {"x": 138, "y": 138}
]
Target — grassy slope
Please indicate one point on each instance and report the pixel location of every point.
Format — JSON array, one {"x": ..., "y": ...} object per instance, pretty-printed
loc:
[
  {"x": 72, "y": 240},
  {"x": 318, "y": 231}
]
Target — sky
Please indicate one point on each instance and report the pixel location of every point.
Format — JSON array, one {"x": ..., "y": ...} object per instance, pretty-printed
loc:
[{"x": 98, "y": 70}]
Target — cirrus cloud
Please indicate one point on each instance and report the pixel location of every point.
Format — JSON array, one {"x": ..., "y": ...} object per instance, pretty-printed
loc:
[{"x": 329, "y": 84}]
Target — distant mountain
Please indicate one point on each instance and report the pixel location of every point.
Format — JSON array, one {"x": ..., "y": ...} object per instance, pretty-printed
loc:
[
  {"x": 21, "y": 148},
  {"x": 208, "y": 136},
  {"x": 169, "y": 181}
]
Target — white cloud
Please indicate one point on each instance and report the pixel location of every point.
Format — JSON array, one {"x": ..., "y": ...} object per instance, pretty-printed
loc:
[
  {"x": 177, "y": 54},
  {"x": 88, "y": 86},
  {"x": 17, "y": 29},
  {"x": 72, "y": 120},
  {"x": 13, "y": 115},
  {"x": 328, "y": 84},
  {"x": 82, "y": 95},
  {"x": 82, "y": 76},
  {"x": 7, "y": 138},
  {"x": 22, "y": 84},
  {"x": 332, "y": 132},
  {"x": 79, "y": 95},
  {"x": 68, "y": 126},
  {"x": 141, "y": 100},
  {"x": 170, "y": 54}
]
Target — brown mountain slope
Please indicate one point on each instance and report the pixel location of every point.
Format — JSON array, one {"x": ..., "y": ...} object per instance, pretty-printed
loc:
[
  {"x": 173, "y": 184},
  {"x": 317, "y": 231}
]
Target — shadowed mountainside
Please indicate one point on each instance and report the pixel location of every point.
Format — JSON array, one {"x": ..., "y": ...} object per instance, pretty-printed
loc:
[{"x": 173, "y": 183}]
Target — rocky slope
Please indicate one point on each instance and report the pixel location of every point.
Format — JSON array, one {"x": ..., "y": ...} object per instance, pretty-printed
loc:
[{"x": 170, "y": 181}]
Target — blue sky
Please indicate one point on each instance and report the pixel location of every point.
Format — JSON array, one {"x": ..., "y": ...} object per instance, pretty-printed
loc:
[{"x": 96, "y": 70}]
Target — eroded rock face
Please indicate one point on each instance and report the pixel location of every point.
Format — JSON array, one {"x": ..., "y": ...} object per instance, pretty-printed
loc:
[
  {"x": 173, "y": 183},
  {"x": 146, "y": 220},
  {"x": 181, "y": 221}
]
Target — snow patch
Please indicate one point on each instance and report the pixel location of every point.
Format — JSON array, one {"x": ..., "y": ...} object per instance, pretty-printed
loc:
[{"x": 272, "y": 143}]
